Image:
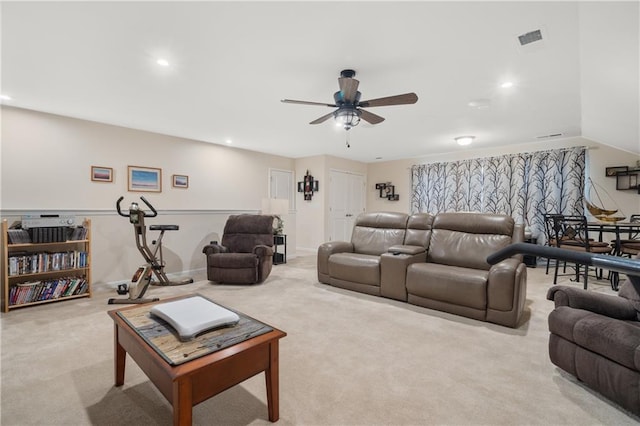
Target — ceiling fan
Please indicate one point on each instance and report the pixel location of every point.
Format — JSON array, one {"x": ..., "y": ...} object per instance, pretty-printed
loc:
[{"x": 349, "y": 105}]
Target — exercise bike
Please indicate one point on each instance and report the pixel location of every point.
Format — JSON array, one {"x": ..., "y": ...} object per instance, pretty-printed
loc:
[{"x": 143, "y": 277}]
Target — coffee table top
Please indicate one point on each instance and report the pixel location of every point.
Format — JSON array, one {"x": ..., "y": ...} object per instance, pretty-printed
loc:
[{"x": 164, "y": 340}]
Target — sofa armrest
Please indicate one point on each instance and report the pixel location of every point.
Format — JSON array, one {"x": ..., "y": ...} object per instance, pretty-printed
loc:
[
  {"x": 393, "y": 270},
  {"x": 214, "y": 248},
  {"x": 263, "y": 251},
  {"x": 327, "y": 249},
  {"x": 506, "y": 292},
  {"x": 603, "y": 304},
  {"x": 406, "y": 249}
]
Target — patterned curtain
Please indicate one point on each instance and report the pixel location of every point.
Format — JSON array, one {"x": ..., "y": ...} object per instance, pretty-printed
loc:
[{"x": 524, "y": 186}]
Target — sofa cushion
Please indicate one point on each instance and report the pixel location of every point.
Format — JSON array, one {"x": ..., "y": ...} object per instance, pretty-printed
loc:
[
  {"x": 462, "y": 249},
  {"x": 612, "y": 338},
  {"x": 451, "y": 284},
  {"x": 233, "y": 260},
  {"x": 355, "y": 267},
  {"x": 419, "y": 229},
  {"x": 374, "y": 233}
]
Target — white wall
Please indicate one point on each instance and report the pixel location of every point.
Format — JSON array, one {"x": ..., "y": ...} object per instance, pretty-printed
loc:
[
  {"x": 599, "y": 157},
  {"x": 610, "y": 72},
  {"x": 310, "y": 213},
  {"x": 46, "y": 161}
]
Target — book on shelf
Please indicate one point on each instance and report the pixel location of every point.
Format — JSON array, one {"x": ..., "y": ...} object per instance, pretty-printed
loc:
[
  {"x": 78, "y": 233},
  {"x": 18, "y": 236},
  {"x": 36, "y": 291},
  {"x": 34, "y": 263}
]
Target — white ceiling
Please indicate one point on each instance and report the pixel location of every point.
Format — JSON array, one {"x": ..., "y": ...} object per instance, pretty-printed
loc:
[{"x": 232, "y": 62}]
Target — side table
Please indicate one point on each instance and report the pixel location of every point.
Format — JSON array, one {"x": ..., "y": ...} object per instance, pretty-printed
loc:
[
  {"x": 530, "y": 260},
  {"x": 279, "y": 240}
]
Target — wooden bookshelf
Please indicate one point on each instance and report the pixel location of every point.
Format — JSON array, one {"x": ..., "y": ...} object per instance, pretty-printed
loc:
[{"x": 39, "y": 273}]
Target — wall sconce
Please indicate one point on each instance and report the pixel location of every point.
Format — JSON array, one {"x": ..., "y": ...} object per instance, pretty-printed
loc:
[
  {"x": 308, "y": 186},
  {"x": 387, "y": 191}
]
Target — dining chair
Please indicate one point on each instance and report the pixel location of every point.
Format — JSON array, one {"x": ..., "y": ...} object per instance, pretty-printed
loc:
[
  {"x": 572, "y": 233},
  {"x": 550, "y": 224},
  {"x": 631, "y": 246}
]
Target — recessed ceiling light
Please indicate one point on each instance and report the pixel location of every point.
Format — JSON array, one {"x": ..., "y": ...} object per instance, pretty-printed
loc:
[
  {"x": 464, "y": 140},
  {"x": 5, "y": 97},
  {"x": 228, "y": 141},
  {"x": 162, "y": 62},
  {"x": 506, "y": 84}
]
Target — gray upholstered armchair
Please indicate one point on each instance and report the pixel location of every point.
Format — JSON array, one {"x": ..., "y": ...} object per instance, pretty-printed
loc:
[{"x": 246, "y": 253}]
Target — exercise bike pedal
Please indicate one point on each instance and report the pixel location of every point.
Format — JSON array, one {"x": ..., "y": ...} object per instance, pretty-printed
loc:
[{"x": 122, "y": 289}]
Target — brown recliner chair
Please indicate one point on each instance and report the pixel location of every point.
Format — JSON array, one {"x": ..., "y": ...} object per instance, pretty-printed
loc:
[
  {"x": 596, "y": 338},
  {"x": 246, "y": 253}
]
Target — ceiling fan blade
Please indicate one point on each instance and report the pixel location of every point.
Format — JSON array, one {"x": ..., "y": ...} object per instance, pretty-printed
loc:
[
  {"x": 349, "y": 88},
  {"x": 406, "y": 98},
  {"x": 370, "y": 117},
  {"x": 291, "y": 101},
  {"x": 322, "y": 119}
]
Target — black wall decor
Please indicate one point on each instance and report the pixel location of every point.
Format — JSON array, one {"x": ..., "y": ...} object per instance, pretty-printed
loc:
[
  {"x": 387, "y": 191},
  {"x": 308, "y": 186}
]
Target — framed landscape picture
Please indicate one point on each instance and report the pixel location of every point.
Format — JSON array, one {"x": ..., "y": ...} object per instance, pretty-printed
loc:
[
  {"x": 101, "y": 174},
  {"x": 180, "y": 181},
  {"x": 145, "y": 179}
]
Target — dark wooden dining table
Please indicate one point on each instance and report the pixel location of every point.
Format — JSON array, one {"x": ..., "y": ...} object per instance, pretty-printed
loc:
[{"x": 621, "y": 231}]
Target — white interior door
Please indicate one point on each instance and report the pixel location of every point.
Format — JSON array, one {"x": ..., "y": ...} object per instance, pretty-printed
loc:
[{"x": 346, "y": 203}]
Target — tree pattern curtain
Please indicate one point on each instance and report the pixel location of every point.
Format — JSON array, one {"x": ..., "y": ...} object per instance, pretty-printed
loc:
[{"x": 524, "y": 186}]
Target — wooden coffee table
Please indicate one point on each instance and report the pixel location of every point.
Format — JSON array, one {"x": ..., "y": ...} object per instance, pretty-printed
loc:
[{"x": 192, "y": 382}]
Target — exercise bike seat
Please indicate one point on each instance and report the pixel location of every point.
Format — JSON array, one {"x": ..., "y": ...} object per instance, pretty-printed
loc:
[{"x": 164, "y": 227}]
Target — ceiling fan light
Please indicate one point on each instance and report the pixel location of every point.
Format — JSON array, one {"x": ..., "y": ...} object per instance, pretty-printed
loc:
[
  {"x": 464, "y": 140},
  {"x": 347, "y": 118}
]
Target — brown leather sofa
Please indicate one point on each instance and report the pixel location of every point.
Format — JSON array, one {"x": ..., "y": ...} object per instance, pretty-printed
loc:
[
  {"x": 596, "y": 338},
  {"x": 438, "y": 262},
  {"x": 246, "y": 253}
]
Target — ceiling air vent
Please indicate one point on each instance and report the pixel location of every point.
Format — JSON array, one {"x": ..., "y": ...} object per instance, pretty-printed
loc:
[
  {"x": 554, "y": 135},
  {"x": 530, "y": 37}
]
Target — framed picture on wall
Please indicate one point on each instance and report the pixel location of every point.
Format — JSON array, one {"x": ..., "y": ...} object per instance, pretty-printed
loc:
[
  {"x": 101, "y": 174},
  {"x": 612, "y": 171},
  {"x": 626, "y": 181},
  {"x": 144, "y": 179},
  {"x": 180, "y": 181}
]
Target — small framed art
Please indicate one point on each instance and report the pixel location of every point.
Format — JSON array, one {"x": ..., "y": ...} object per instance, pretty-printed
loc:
[
  {"x": 180, "y": 181},
  {"x": 613, "y": 171},
  {"x": 101, "y": 174},
  {"x": 144, "y": 179},
  {"x": 626, "y": 181}
]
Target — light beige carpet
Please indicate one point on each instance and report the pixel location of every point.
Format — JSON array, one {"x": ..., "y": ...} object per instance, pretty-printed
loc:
[{"x": 348, "y": 359}]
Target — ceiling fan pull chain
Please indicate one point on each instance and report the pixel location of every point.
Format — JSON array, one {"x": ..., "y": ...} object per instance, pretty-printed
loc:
[{"x": 348, "y": 144}]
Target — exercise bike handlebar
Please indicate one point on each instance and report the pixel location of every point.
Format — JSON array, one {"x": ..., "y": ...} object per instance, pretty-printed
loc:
[
  {"x": 145, "y": 214},
  {"x": 612, "y": 263}
]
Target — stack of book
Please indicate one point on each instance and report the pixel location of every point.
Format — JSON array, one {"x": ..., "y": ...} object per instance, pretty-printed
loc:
[
  {"x": 34, "y": 263},
  {"x": 18, "y": 236},
  {"x": 35, "y": 291}
]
